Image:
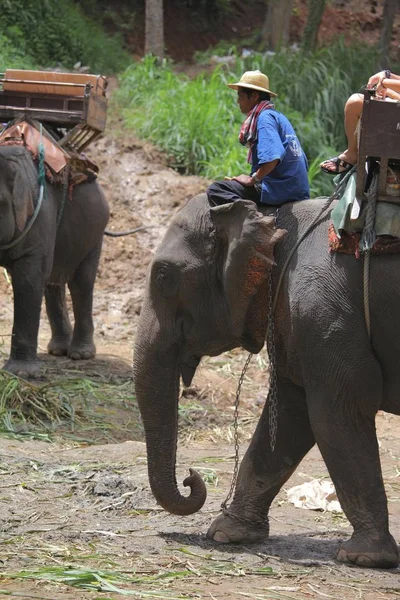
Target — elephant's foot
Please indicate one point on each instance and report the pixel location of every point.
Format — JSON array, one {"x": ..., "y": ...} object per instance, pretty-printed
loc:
[
  {"x": 227, "y": 529},
  {"x": 83, "y": 351},
  {"x": 26, "y": 369},
  {"x": 380, "y": 553},
  {"x": 59, "y": 346}
]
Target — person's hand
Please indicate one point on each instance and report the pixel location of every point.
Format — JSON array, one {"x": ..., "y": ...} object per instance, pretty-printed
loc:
[
  {"x": 380, "y": 89},
  {"x": 376, "y": 79},
  {"x": 246, "y": 180}
]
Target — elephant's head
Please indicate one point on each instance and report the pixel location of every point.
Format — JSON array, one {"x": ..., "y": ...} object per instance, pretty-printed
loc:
[
  {"x": 18, "y": 188},
  {"x": 207, "y": 292}
]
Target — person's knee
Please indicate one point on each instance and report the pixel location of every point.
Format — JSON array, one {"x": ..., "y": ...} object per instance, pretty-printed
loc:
[
  {"x": 213, "y": 188},
  {"x": 354, "y": 103},
  {"x": 215, "y": 194}
]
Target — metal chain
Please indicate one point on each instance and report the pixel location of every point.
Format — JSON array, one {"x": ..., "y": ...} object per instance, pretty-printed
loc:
[
  {"x": 272, "y": 398},
  {"x": 236, "y": 433}
]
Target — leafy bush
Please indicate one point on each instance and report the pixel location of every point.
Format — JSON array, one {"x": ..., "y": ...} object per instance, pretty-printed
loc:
[
  {"x": 56, "y": 32},
  {"x": 12, "y": 56},
  {"x": 197, "y": 121}
]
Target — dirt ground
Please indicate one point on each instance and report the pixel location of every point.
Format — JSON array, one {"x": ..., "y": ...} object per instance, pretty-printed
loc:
[{"x": 87, "y": 507}]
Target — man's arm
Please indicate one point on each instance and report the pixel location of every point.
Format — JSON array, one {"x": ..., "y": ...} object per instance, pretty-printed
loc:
[{"x": 257, "y": 176}]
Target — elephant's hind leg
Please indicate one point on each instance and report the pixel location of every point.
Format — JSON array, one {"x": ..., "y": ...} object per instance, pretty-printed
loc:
[
  {"x": 263, "y": 472},
  {"x": 81, "y": 287},
  {"x": 57, "y": 313},
  {"x": 345, "y": 433}
]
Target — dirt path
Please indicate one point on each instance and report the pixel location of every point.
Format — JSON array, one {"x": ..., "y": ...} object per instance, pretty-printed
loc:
[
  {"x": 87, "y": 509},
  {"x": 90, "y": 508}
]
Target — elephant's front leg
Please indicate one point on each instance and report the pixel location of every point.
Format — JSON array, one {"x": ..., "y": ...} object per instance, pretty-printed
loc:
[
  {"x": 262, "y": 472},
  {"x": 28, "y": 286},
  {"x": 346, "y": 436},
  {"x": 57, "y": 312}
]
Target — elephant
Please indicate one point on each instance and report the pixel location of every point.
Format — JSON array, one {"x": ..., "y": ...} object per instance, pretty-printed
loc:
[
  {"x": 62, "y": 246},
  {"x": 209, "y": 290}
]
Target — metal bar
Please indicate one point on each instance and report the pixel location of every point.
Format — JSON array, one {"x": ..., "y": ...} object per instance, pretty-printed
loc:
[
  {"x": 360, "y": 177},
  {"x": 383, "y": 167}
]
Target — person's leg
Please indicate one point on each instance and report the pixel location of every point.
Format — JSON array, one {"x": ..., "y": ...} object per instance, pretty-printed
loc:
[
  {"x": 230, "y": 190},
  {"x": 352, "y": 113},
  {"x": 348, "y": 158}
]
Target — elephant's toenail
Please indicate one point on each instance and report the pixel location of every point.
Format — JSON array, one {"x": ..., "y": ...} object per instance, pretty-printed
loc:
[
  {"x": 363, "y": 561},
  {"x": 342, "y": 556},
  {"x": 221, "y": 537}
]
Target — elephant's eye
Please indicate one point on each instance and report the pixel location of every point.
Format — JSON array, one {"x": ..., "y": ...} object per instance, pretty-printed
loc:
[{"x": 166, "y": 279}]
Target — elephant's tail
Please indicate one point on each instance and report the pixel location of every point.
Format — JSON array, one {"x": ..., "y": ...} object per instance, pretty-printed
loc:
[{"x": 129, "y": 232}]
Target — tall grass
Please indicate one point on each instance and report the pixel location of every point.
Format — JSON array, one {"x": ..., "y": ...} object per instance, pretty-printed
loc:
[
  {"x": 186, "y": 118},
  {"x": 196, "y": 121}
]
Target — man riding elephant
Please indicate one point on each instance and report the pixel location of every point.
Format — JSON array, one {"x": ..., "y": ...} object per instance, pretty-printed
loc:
[{"x": 278, "y": 163}]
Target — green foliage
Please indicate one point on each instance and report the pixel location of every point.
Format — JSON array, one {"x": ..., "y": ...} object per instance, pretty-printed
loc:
[
  {"x": 12, "y": 56},
  {"x": 181, "y": 115},
  {"x": 197, "y": 121},
  {"x": 56, "y": 32}
]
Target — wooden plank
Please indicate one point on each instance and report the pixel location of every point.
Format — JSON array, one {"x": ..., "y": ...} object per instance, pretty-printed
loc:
[
  {"x": 382, "y": 136},
  {"x": 53, "y": 82},
  {"x": 7, "y": 113}
]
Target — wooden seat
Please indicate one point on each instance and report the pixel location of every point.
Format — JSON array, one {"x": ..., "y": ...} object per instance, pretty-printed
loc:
[
  {"x": 379, "y": 141},
  {"x": 52, "y": 82},
  {"x": 74, "y": 103}
]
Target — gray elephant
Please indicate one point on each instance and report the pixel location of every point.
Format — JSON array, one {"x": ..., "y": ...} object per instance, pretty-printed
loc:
[
  {"x": 62, "y": 246},
  {"x": 207, "y": 292}
]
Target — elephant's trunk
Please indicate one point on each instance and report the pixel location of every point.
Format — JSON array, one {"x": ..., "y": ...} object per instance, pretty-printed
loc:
[{"x": 156, "y": 376}]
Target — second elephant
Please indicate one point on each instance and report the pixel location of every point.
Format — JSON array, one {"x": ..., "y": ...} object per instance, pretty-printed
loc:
[{"x": 47, "y": 258}]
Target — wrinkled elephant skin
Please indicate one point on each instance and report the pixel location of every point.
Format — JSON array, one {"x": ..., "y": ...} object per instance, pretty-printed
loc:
[
  {"x": 207, "y": 292},
  {"x": 47, "y": 258}
]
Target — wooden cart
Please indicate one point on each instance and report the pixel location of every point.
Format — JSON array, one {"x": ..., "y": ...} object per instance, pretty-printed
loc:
[{"x": 73, "y": 103}]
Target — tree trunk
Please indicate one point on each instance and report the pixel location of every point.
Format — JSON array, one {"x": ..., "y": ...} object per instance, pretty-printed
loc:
[
  {"x": 389, "y": 11},
  {"x": 316, "y": 9},
  {"x": 275, "y": 32},
  {"x": 154, "y": 30}
]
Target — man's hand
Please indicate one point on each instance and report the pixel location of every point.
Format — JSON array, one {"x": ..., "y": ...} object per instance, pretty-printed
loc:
[{"x": 246, "y": 180}]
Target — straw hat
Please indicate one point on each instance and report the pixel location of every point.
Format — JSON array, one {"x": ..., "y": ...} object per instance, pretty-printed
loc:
[{"x": 255, "y": 80}]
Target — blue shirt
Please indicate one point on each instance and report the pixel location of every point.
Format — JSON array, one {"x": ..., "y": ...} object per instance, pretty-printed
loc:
[{"x": 277, "y": 140}]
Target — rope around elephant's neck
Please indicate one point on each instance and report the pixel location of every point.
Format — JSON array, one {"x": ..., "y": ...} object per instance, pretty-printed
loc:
[{"x": 367, "y": 242}]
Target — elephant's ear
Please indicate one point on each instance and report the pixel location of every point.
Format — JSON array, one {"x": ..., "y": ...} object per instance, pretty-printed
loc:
[
  {"x": 22, "y": 198},
  {"x": 248, "y": 239}
]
